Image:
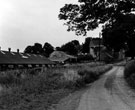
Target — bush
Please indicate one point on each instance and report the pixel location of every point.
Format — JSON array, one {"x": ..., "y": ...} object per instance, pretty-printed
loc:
[
  {"x": 129, "y": 73},
  {"x": 89, "y": 75},
  {"x": 129, "y": 69}
]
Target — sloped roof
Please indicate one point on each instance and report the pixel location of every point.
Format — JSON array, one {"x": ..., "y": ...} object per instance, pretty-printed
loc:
[
  {"x": 60, "y": 56},
  {"x": 7, "y": 57}
]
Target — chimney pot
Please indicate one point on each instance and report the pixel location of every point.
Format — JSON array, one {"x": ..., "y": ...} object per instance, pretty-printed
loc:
[
  {"x": 18, "y": 50},
  {"x": 9, "y": 49}
]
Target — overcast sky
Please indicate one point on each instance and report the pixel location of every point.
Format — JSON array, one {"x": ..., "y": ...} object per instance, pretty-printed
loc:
[{"x": 25, "y": 22}]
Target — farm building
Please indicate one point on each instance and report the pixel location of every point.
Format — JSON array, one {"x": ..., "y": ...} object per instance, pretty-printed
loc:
[
  {"x": 61, "y": 57},
  {"x": 99, "y": 51},
  {"x": 17, "y": 59},
  {"x": 95, "y": 46}
]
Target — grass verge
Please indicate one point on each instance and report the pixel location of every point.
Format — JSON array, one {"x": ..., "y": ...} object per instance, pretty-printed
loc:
[
  {"x": 40, "y": 91},
  {"x": 89, "y": 75}
]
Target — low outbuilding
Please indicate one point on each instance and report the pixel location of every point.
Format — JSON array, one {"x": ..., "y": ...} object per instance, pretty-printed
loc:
[
  {"x": 61, "y": 57},
  {"x": 17, "y": 59}
]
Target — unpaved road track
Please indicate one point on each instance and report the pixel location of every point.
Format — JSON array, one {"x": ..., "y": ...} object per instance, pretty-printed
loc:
[{"x": 110, "y": 92}]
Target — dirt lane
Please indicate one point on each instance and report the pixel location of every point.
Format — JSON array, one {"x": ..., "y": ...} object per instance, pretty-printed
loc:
[
  {"x": 107, "y": 94},
  {"x": 110, "y": 92},
  {"x": 97, "y": 97}
]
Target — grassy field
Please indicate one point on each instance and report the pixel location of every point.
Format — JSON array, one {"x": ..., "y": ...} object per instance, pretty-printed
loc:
[{"x": 38, "y": 90}]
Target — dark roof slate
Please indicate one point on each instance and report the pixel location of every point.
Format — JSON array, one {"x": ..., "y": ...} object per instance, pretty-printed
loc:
[{"x": 7, "y": 57}]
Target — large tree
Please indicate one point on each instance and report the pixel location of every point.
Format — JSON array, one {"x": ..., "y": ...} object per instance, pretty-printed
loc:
[
  {"x": 47, "y": 49},
  {"x": 88, "y": 14},
  {"x": 121, "y": 34},
  {"x": 86, "y": 45},
  {"x": 36, "y": 49},
  {"x": 73, "y": 47}
]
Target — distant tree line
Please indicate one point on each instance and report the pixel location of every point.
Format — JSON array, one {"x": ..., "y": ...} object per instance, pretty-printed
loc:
[
  {"x": 37, "y": 48},
  {"x": 72, "y": 48}
]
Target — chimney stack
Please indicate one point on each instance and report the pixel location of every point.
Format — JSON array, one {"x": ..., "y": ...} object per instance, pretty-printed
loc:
[
  {"x": 18, "y": 50},
  {"x": 9, "y": 49}
]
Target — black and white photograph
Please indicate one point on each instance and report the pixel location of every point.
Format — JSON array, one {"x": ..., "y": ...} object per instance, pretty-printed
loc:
[{"x": 67, "y": 54}]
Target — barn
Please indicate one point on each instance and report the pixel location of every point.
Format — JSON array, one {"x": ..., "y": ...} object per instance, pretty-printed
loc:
[
  {"x": 62, "y": 57},
  {"x": 13, "y": 60}
]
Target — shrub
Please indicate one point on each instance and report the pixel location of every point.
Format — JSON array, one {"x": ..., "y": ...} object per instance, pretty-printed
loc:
[
  {"x": 129, "y": 69},
  {"x": 129, "y": 73},
  {"x": 89, "y": 75}
]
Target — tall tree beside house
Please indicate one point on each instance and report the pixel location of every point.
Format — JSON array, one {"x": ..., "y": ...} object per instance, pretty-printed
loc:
[
  {"x": 47, "y": 49},
  {"x": 69, "y": 48},
  {"x": 72, "y": 47},
  {"x": 88, "y": 14},
  {"x": 75, "y": 42},
  {"x": 85, "y": 46},
  {"x": 121, "y": 34},
  {"x": 77, "y": 46}
]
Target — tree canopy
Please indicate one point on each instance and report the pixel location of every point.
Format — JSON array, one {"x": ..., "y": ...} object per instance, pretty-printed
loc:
[
  {"x": 73, "y": 47},
  {"x": 46, "y": 50},
  {"x": 86, "y": 45},
  {"x": 36, "y": 49},
  {"x": 116, "y": 16},
  {"x": 88, "y": 14}
]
